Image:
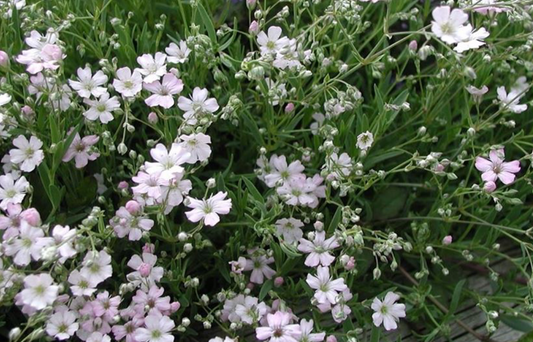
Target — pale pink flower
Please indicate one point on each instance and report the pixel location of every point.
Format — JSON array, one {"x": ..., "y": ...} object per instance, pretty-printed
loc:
[
  {"x": 128, "y": 84},
  {"x": 131, "y": 224},
  {"x": 326, "y": 288},
  {"x": 97, "y": 266},
  {"x": 511, "y": 100},
  {"x": 64, "y": 240},
  {"x": 388, "y": 312},
  {"x": 12, "y": 190},
  {"x": 162, "y": 91},
  {"x": 208, "y": 210},
  {"x": 306, "y": 326},
  {"x": 26, "y": 246},
  {"x": 281, "y": 172},
  {"x": 157, "y": 329},
  {"x": 496, "y": 168},
  {"x": 279, "y": 329},
  {"x": 39, "y": 291},
  {"x": 37, "y": 60},
  {"x": 81, "y": 285},
  {"x": 251, "y": 310},
  {"x": 80, "y": 150},
  {"x": 167, "y": 162},
  {"x": 290, "y": 229},
  {"x": 62, "y": 325},
  {"x": 152, "y": 68},
  {"x": 197, "y": 145},
  {"x": 146, "y": 274},
  {"x": 197, "y": 106},
  {"x": 101, "y": 108},
  {"x": 489, "y": 6},
  {"x": 28, "y": 154},
  {"x": 318, "y": 249},
  {"x": 178, "y": 54},
  {"x": 258, "y": 264},
  {"x": 88, "y": 84}
]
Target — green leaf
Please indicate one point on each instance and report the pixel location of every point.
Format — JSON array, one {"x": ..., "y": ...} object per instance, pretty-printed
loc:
[
  {"x": 456, "y": 296},
  {"x": 375, "y": 334},
  {"x": 289, "y": 250},
  {"x": 517, "y": 323},
  {"x": 389, "y": 203},
  {"x": 206, "y": 20},
  {"x": 253, "y": 190},
  {"x": 267, "y": 286}
]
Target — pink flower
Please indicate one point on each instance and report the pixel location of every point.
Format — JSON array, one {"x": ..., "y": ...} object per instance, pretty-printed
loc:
[
  {"x": 208, "y": 209},
  {"x": 80, "y": 150},
  {"x": 388, "y": 312},
  {"x": 157, "y": 329},
  {"x": 163, "y": 91},
  {"x": 447, "y": 240},
  {"x": 496, "y": 168},
  {"x": 279, "y": 329},
  {"x": 326, "y": 289},
  {"x": 318, "y": 249},
  {"x": 258, "y": 264}
]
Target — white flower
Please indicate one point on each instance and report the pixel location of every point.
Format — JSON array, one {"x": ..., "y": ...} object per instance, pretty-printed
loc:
[
  {"x": 62, "y": 325},
  {"x": 365, "y": 140},
  {"x": 474, "y": 40},
  {"x": 511, "y": 99},
  {"x": 98, "y": 337},
  {"x": 276, "y": 91},
  {"x": 220, "y": 339},
  {"x": 4, "y": 99},
  {"x": 197, "y": 145},
  {"x": 97, "y": 266},
  {"x": 208, "y": 210},
  {"x": 281, "y": 172},
  {"x": 177, "y": 54},
  {"x": 152, "y": 68},
  {"x": 388, "y": 312},
  {"x": 27, "y": 244},
  {"x": 28, "y": 154},
  {"x": 11, "y": 191},
  {"x": 273, "y": 42},
  {"x": 307, "y": 327},
  {"x": 168, "y": 162},
  {"x": 101, "y": 108},
  {"x": 290, "y": 229},
  {"x": 157, "y": 329},
  {"x": 251, "y": 310},
  {"x": 88, "y": 84},
  {"x": 338, "y": 166},
  {"x": 39, "y": 291},
  {"x": 450, "y": 25},
  {"x": 128, "y": 84},
  {"x": 198, "y": 105},
  {"x": 326, "y": 289}
]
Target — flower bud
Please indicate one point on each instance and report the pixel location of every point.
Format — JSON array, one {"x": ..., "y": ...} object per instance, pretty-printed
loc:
[
  {"x": 4, "y": 59},
  {"x": 447, "y": 240},
  {"x": 489, "y": 187},
  {"x": 254, "y": 28},
  {"x": 133, "y": 207},
  {"x": 152, "y": 118},
  {"x": 278, "y": 281}
]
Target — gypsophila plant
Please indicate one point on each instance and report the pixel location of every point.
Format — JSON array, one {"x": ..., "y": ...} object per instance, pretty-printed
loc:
[{"x": 265, "y": 170}]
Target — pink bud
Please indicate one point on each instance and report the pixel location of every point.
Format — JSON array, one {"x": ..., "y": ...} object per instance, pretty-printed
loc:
[
  {"x": 152, "y": 118},
  {"x": 350, "y": 264},
  {"x": 4, "y": 59},
  {"x": 250, "y": 286},
  {"x": 133, "y": 207},
  {"x": 447, "y": 240},
  {"x": 145, "y": 269},
  {"x": 27, "y": 111},
  {"x": 413, "y": 45},
  {"x": 331, "y": 338},
  {"x": 319, "y": 225},
  {"x": 123, "y": 185},
  {"x": 278, "y": 281},
  {"x": 289, "y": 107},
  {"x": 254, "y": 28},
  {"x": 31, "y": 216},
  {"x": 489, "y": 187},
  {"x": 251, "y": 4},
  {"x": 149, "y": 248},
  {"x": 174, "y": 306}
]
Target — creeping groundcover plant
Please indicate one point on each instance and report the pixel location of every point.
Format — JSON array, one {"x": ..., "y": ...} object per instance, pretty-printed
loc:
[{"x": 266, "y": 170}]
